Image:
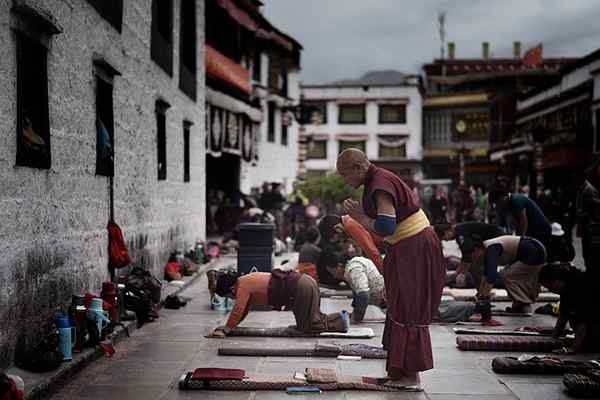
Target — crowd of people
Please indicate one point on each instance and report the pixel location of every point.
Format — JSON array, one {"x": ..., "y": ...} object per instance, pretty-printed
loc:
[{"x": 389, "y": 254}]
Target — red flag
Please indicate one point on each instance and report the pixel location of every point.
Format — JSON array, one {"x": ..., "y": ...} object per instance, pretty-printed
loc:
[{"x": 534, "y": 56}]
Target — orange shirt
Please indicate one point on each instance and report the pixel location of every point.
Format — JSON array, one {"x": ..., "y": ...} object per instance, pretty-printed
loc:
[
  {"x": 366, "y": 240},
  {"x": 250, "y": 289}
]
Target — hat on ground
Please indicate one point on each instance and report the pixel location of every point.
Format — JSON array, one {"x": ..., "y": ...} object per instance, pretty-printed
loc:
[{"x": 557, "y": 229}]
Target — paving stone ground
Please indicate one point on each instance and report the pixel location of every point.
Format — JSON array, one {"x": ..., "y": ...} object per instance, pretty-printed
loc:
[{"x": 148, "y": 365}]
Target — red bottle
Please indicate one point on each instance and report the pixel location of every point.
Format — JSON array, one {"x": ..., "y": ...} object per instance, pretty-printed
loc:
[{"x": 109, "y": 295}]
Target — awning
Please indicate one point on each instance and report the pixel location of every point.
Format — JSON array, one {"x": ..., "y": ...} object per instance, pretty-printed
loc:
[
  {"x": 216, "y": 98},
  {"x": 392, "y": 140},
  {"x": 239, "y": 15},
  {"x": 223, "y": 68},
  {"x": 499, "y": 154},
  {"x": 352, "y": 137}
]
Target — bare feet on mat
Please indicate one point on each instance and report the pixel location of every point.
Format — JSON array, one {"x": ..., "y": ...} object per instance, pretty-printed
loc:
[{"x": 409, "y": 381}]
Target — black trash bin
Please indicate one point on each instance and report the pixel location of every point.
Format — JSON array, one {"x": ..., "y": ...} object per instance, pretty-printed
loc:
[{"x": 255, "y": 250}]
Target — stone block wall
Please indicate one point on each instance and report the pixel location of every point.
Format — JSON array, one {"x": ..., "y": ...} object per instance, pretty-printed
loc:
[{"x": 53, "y": 238}]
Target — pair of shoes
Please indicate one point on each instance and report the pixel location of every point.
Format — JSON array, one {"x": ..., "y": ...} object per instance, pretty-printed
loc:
[
  {"x": 400, "y": 387},
  {"x": 172, "y": 302},
  {"x": 345, "y": 320}
]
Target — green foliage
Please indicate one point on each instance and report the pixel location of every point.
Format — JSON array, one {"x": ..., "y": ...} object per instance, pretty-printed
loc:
[{"x": 329, "y": 190}]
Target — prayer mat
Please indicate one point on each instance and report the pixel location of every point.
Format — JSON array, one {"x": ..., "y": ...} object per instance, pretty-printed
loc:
[
  {"x": 504, "y": 313},
  {"x": 579, "y": 385},
  {"x": 470, "y": 331},
  {"x": 332, "y": 351},
  {"x": 540, "y": 344},
  {"x": 498, "y": 295},
  {"x": 353, "y": 333},
  {"x": 218, "y": 374},
  {"x": 541, "y": 366},
  {"x": 282, "y": 382},
  {"x": 333, "y": 294}
]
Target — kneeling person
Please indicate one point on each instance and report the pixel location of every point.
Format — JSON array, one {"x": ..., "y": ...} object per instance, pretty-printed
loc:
[
  {"x": 279, "y": 289},
  {"x": 367, "y": 286}
]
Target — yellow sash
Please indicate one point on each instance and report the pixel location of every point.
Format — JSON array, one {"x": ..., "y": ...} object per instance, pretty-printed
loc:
[{"x": 411, "y": 226}]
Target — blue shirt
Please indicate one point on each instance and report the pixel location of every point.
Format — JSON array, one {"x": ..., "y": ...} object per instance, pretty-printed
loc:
[{"x": 538, "y": 225}]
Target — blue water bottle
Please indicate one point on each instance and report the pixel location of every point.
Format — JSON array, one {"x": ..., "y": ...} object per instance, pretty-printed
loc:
[{"x": 66, "y": 337}]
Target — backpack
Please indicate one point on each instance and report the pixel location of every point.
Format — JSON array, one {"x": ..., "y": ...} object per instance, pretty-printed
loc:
[
  {"x": 141, "y": 279},
  {"x": 282, "y": 288},
  {"x": 117, "y": 249}
]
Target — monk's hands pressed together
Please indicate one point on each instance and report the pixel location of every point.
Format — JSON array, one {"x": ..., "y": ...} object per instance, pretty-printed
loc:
[{"x": 354, "y": 209}]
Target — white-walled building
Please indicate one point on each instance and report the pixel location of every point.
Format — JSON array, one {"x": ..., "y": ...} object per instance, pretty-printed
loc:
[{"x": 379, "y": 113}]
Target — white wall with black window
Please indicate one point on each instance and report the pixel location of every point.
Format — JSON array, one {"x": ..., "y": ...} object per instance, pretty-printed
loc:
[
  {"x": 379, "y": 113},
  {"x": 84, "y": 86}
]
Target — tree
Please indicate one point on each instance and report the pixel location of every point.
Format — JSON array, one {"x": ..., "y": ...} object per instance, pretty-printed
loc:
[{"x": 330, "y": 190}]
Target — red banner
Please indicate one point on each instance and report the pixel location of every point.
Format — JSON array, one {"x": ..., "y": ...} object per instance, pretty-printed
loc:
[{"x": 223, "y": 68}]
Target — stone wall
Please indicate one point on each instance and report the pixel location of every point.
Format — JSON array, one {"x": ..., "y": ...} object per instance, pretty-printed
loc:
[{"x": 53, "y": 239}]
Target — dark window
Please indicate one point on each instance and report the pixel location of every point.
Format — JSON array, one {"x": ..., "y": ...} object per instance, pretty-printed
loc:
[
  {"x": 392, "y": 151},
  {"x": 317, "y": 149},
  {"x": 597, "y": 131},
  {"x": 256, "y": 65},
  {"x": 316, "y": 112},
  {"x": 161, "y": 46},
  {"x": 33, "y": 127},
  {"x": 352, "y": 114},
  {"x": 284, "y": 134},
  {"x": 186, "y": 150},
  {"x": 271, "y": 122},
  {"x": 361, "y": 145},
  {"x": 284, "y": 79},
  {"x": 110, "y": 10},
  {"x": 187, "y": 64},
  {"x": 104, "y": 128},
  {"x": 161, "y": 138},
  {"x": 392, "y": 114}
]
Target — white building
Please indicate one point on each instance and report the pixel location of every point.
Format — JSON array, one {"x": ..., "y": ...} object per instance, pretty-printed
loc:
[
  {"x": 379, "y": 113},
  {"x": 252, "y": 83}
]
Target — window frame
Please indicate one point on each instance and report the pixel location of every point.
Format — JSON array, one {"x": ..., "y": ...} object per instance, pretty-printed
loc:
[
  {"x": 394, "y": 157},
  {"x": 401, "y": 121},
  {"x": 43, "y": 123},
  {"x": 271, "y": 111},
  {"x": 161, "y": 48},
  {"x": 341, "y": 148},
  {"x": 161, "y": 138},
  {"x": 311, "y": 157},
  {"x": 112, "y": 15},
  {"x": 188, "y": 81},
  {"x": 364, "y": 113},
  {"x": 187, "y": 125}
]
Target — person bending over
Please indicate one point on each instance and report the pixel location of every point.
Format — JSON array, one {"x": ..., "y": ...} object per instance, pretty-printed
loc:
[
  {"x": 579, "y": 305},
  {"x": 523, "y": 258},
  {"x": 279, "y": 289}
]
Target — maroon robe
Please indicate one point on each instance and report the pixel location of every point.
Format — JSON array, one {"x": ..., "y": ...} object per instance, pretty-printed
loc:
[{"x": 414, "y": 276}]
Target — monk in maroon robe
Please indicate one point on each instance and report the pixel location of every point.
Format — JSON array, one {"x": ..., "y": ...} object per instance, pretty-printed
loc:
[{"x": 413, "y": 266}]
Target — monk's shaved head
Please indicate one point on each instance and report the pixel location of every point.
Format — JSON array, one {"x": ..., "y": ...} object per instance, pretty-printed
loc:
[
  {"x": 352, "y": 165},
  {"x": 351, "y": 157}
]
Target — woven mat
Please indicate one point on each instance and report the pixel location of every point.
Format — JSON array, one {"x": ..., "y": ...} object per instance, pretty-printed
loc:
[
  {"x": 579, "y": 385},
  {"x": 353, "y": 333},
  {"x": 332, "y": 351},
  {"x": 498, "y": 295},
  {"x": 333, "y": 294},
  {"x": 541, "y": 344},
  {"x": 471, "y": 331},
  {"x": 278, "y": 382},
  {"x": 541, "y": 366}
]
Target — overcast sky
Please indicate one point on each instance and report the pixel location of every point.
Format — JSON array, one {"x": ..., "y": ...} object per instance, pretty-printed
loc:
[{"x": 345, "y": 38}]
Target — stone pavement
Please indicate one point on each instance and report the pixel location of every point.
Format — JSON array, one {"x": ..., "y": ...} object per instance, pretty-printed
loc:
[{"x": 148, "y": 365}]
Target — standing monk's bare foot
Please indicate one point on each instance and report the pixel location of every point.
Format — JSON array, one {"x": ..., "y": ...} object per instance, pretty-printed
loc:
[{"x": 406, "y": 381}]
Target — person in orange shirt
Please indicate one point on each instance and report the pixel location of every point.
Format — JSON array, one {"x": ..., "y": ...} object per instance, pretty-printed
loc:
[
  {"x": 279, "y": 289},
  {"x": 369, "y": 242}
]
